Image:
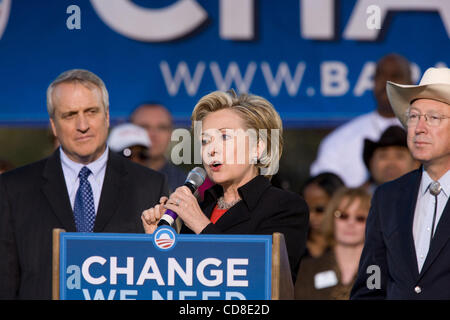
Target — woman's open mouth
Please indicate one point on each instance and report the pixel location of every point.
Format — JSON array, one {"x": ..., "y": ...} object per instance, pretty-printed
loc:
[{"x": 215, "y": 166}]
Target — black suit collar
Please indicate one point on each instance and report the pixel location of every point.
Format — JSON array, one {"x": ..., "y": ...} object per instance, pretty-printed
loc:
[
  {"x": 250, "y": 194},
  {"x": 55, "y": 189},
  {"x": 406, "y": 205},
  {"x": 111, "y": 190}
]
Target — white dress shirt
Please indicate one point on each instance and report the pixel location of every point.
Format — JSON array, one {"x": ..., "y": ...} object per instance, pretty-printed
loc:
[
  {"x": 423, "y": 215},
  {"x": 71, "y": 170},
  {"x": 341, "y": 152}
]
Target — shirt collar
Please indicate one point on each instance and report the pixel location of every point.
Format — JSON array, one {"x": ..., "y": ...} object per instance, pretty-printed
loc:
[
  {"x": 96, "y": 166},
  {"x": 444, "y": 182}
]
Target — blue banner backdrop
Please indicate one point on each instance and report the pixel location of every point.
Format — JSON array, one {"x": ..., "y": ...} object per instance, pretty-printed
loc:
[
  {"x": 313, "y": 59},
  {"x": 165, "y": 266}
]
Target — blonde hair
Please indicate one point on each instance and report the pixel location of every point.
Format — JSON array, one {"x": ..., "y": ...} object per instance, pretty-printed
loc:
[
  {"x": 342, "y": 193},
  {"x": 257, "y": 113}
]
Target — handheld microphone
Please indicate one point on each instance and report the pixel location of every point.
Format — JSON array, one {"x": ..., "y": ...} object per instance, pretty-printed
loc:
[{"x": 195, "y": 179}]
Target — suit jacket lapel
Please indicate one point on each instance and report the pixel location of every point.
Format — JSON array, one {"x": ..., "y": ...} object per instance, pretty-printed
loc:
[
  {"x": 111, "y": 191},
  {"x": 250, "y": 194},
  {"x": 407, "y": 205},
  {"x": 55, "y": 189},
  {"x": 235, "y": 215},
  {"x": 440, "y": 238}
]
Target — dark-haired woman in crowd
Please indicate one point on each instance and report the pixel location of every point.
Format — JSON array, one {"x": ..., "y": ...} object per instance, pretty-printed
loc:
[{"x": 317, "y": 192}]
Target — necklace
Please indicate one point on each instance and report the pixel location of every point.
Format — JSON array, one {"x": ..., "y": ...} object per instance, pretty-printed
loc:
[{"x": 221, "y": 204}]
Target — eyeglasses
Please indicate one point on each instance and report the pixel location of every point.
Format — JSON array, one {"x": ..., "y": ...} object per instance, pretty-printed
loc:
[
  {"x": 432, "y": 119},
  {"x": 345, "y": 216}
]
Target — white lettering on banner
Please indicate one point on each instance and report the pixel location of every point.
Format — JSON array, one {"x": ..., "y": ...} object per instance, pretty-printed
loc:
[
  {"x": 182, "y": 74},
  {"x": 152, "y": 25},
  {"x": 317, "y": 19},
  {"x": 204, "y": 295},
  {"x": 206, "y": 275},
  {"x": 283, "y": 75},
  {"x": 86, "y": 273},
  {"x": 217, "y": 274},
  {"x": 357, "y": 29},
  {"x": 128, "y": 270},
  {"x": 334, "y": 78},
  {"x": 233, "y": 74},
  {"x": 186, "y": 275},
  {"x": 99, "y": 295},
  {"x": 237, "y": 18},
  {"x": 365, "y": 80},
  {"x": 232, "y": 272},
  {"x": 334, "y": 81},
  {"x": 150, "y": 264},
  {"x": 5, "y": 7}
]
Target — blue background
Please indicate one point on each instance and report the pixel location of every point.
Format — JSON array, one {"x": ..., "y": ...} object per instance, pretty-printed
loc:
[
  {"x": 76, "y": 248},
  {"x": 37, "y": 46}
]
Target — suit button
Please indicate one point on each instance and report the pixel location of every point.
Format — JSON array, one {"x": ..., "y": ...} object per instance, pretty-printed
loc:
[{"x": 418, "y": 289}]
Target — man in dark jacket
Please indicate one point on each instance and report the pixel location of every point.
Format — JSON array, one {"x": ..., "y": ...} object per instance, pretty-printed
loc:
[
  {"x": 407, "y": 251},
  {"x": 82, "y": 187}
]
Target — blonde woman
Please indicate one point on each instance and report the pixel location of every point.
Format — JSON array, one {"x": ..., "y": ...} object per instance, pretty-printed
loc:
[
  {"x": 332, "y": 275},
  {"x": 241, "y": 138}
]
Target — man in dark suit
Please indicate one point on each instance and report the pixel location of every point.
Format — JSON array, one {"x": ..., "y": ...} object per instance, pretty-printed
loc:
[
  {"x": 407, "y": 249},
  {"x": 82, "y": 186}
]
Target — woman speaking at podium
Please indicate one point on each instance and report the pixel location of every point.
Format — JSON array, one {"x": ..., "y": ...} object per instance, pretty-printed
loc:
[{"x": 241, "y": 142}]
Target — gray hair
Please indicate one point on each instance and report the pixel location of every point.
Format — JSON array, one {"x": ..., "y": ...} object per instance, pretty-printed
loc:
[{"x": 84, "y": 77}]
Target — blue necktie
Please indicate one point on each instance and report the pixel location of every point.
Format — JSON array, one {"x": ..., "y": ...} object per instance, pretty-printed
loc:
[{"x": 84, "y": 209}]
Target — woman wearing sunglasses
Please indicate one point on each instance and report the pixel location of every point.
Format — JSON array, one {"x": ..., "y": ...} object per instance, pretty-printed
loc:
[
  {"x": 332, "y": 275},
  {"x": 317, "y": 192}
]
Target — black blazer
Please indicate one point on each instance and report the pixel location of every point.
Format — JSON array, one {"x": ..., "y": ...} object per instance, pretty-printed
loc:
[
  {"x": 34, "y": 200},
  {"x": 389, "y": 245},
  {"x": 264, "y": 209}
]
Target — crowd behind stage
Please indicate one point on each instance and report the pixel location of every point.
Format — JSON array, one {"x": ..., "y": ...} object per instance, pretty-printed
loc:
[{"x": 353, "y": 161}]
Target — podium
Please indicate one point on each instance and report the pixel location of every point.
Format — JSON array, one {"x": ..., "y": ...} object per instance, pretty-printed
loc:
[{"x": 170, "y": 266}]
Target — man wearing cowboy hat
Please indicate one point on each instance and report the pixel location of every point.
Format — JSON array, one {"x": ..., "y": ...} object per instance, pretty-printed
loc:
[{"x": 407, "y": 249}]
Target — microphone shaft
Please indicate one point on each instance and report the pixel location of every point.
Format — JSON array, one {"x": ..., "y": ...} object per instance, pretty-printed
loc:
[{"x": 169, "y": 217}]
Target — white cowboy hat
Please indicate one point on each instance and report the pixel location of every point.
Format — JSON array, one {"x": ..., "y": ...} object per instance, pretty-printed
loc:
[{"x": 435, "y": 85}]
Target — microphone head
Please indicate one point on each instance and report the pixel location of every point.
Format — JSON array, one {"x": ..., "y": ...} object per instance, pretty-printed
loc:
[
  {"x": 196, "y": 177},
  {"x": 435, "y": 188}
]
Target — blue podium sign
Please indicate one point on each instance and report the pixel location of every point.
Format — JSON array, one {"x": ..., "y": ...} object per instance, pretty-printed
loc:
[{"x": 165, "y": 266}]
